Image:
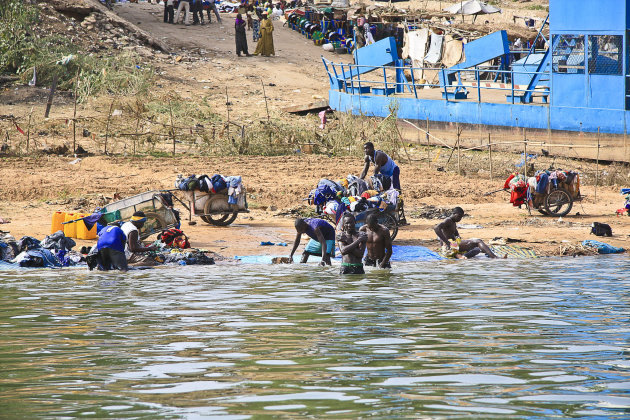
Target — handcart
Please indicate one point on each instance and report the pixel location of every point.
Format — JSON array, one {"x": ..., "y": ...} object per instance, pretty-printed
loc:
[
  {"x": 387, "y": 218},
  {"x": 556, "y": 200},
  {"x": 214, "y": 208},
  {"x": 156, "y": 205}
]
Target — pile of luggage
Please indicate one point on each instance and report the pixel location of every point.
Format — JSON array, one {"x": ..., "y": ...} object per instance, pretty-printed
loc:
[{"x": 353, "y": 194}]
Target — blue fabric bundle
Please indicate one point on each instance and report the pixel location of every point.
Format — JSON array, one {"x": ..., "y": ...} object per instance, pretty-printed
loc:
[{"x": 602, "y": 248}]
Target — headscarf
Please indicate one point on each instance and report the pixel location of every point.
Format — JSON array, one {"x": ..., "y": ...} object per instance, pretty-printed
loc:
[{"x": 239, "y": 19}]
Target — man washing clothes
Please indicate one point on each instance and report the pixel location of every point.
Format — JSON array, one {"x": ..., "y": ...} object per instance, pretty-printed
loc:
[
  {"x": 383, "y": 164},
  {"x": 379, "y": 243},
  {"x": 111, "y": 248},
  {"x": 134, "y": 250},
  {"x": 322, "y": 240},
  {"x": 351, "y": 245},
  {"x": 446, "y": 231}
]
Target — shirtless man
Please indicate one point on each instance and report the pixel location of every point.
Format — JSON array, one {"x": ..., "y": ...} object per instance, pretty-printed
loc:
[
  {"x": 446, "y": 231},
  {"x": 383, "y": 164},
  {"x": 379, "y": 243},
  {"x": 352, "y": 246}
]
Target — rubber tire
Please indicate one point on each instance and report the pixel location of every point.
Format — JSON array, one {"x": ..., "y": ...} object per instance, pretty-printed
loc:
[
  {"x": 219, "y": 219},
  {"x": 390, "y": 223},
  {"x": 224, "y": 220},
  {"x": 562, "y": 195}
]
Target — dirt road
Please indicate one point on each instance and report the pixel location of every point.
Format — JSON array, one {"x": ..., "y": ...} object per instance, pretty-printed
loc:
[{"x": 295, "y": 75}]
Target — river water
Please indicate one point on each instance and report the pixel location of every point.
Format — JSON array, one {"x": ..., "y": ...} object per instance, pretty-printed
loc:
[{"x": 493, "y": 339}]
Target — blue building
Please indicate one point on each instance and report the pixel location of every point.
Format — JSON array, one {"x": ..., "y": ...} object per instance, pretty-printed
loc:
[{"x": 561, "y": 96}]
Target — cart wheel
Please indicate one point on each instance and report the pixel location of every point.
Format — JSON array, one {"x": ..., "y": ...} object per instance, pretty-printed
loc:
[
  {"x": 390, "y": 223},
  {"x": 218, "y": 218},
  {"x": 222, "y": 219},
  {"x": 558, "y": 203},
  {"x": 216, "y": 204}
]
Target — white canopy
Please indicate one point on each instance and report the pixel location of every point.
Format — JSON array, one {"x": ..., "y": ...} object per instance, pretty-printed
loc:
[{"x": 471, "y": 7}]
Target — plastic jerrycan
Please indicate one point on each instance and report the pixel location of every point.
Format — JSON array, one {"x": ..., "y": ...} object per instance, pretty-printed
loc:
[
  {"x": 58, "y": 218},
  {"x": 82, "y": 230},
  {"x": 70, "y": 230}
]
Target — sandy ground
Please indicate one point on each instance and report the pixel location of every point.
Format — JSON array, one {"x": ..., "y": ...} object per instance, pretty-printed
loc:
[
  {"x": 33, "y": 188},
  {"x": 54, "y": 184}
]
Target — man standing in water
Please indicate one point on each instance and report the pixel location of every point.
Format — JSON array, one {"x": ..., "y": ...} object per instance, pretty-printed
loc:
[
  {"x": 322, "y": 241},
  {"x": 382, "y": 164},
  {"x": 351, "y": 245},
  {"x": 379, "y": 243},
  {"x": 446, "y": 231}
]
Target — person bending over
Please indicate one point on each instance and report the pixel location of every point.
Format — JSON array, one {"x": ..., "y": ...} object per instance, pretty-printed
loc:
[
  {"x": 383, "y": 164},
  {"x": 322, "y": 240},
  {"x": 134, "y": 249},
  {"x": 379, "y": 243},
  {"x": 111, "y": 248},
  {"x": 351, "y": 245},
  {"x": 446, "y": 231}
]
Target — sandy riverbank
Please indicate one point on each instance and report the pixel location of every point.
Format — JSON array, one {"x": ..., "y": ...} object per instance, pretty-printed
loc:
[{"x": 51, "y": 183}]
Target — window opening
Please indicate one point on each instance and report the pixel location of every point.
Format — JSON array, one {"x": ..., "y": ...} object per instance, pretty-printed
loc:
[
  {"x": 568, "y": 54},
  {"x": 605, "y": 53}
]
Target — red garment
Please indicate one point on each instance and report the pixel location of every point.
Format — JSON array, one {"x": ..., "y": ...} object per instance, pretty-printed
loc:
[
  {"x": 518, "y": 195},
  {"x": 506, "y": 186}
]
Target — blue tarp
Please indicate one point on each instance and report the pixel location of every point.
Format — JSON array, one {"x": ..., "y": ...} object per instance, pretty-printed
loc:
[
  {"x": 414, "y": 253},
  {"x": 401, "y": 253},
  {"x": 602, "y": 247}
]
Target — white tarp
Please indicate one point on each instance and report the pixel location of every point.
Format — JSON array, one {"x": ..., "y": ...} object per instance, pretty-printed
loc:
[
  {"x": 418, "y": 46},
  {"x": 435, "y": 50},
  {"x": 471, "y": 7}
]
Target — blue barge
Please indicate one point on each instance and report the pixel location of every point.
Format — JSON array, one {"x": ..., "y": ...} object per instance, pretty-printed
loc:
[{"x": 570, "y": 96}]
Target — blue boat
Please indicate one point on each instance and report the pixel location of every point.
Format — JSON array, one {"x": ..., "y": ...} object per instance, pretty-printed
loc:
[{"x": 570, "y": 97}]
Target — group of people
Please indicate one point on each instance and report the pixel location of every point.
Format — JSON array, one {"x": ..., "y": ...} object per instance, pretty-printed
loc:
[
  {"x": 194, "y": 7},
  {"x": 259, "y": 21},
  {"x": 258, "y": 18},
  {"x": 117, "y": 247},
  {"x": 373, "y": 236}
]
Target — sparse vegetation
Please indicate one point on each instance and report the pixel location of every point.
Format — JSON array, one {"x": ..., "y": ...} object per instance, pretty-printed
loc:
[{"x": 23, "y": 51}]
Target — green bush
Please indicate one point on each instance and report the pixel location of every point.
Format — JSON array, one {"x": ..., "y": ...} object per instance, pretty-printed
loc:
[
  {"x": 16, "y": 38},
  {"x": 21, "y": 51}
]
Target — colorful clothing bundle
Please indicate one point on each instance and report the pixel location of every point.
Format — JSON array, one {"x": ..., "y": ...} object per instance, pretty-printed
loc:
[{"x": 518, "y": 186}]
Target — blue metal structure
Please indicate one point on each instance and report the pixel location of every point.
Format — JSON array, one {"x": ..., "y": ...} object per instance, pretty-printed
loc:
[{"x": 581, "y": 83}]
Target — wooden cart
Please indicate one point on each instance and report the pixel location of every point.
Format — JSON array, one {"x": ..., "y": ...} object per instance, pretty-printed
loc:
[{"x": 214, "y": 208}]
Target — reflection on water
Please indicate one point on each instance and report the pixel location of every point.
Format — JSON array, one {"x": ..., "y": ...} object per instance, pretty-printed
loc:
[{"x": 495, "y": 339}]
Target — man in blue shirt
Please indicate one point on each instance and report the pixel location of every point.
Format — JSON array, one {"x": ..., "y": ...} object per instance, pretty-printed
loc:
[
  {"x": 322, "y": 241},
  {"x": 111, "y": 248},
  {"x": 383, "y": 164}
]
